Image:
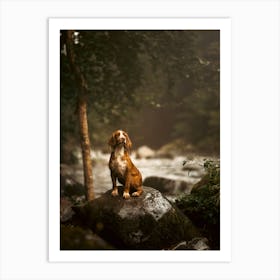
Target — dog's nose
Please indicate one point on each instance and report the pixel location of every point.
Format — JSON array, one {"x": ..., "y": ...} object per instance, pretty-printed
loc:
[{"x": 122, "y": 139}]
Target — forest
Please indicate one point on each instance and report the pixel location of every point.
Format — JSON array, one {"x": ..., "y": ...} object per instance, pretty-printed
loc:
[{"x": 163, "y": 88}]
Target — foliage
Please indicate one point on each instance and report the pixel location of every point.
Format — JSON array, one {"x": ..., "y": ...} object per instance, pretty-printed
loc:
[
  {"x": 198, "y": 119},
  {"x": 202, "y": 206},
  {"x": 116, "y": 63},
  {"x": 145, "y": 80},
  {"x": 108, "y": 61}
]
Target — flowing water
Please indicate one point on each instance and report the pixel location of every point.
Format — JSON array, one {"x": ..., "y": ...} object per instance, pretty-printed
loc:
[{"x": 191, "y": 172}]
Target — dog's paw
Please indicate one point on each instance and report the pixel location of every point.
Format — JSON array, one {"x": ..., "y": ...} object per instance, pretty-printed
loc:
[
  {"x": 126, "y": 195},
  {"x": 114, "y": 193},
  {"x": 135, "y": 194}
]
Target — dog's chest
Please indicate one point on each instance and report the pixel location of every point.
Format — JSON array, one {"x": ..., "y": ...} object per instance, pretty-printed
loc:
[{"x": 118, "y": 163}]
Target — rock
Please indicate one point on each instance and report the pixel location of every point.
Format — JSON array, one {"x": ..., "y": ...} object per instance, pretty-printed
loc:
[
  {"x": 66, "y": 212},
  {"x": 194, "y": 170},
  {"x": 197, "y": 243},
  {"x": 77, "y": 238},
  {"x": 192, "y": 167},
  {"x": 202, "y": 184},
  {"x": 167, "y": 186},
  {"x": 202, "y": 206},
  {"x": 71, "y": 192},
  {"x": 144, "y": 152},
  {"x": 175, "y": 148},
  {"x": 70, "y": 187},
  {"x": 180, "y": 246},
  {"x": 146, "y": 222}
]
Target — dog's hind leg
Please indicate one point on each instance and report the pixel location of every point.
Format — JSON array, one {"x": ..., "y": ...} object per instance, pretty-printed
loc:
[{"x": 138, "y": 192}]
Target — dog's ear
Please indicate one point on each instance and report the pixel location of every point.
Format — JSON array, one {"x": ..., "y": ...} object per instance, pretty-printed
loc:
[
  {"x": 128, "y": 142},
  {"x": 112, "y": 141}
]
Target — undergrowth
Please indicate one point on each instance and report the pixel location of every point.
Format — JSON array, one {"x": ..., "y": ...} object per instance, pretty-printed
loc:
[{"x": 202, "y": 206}]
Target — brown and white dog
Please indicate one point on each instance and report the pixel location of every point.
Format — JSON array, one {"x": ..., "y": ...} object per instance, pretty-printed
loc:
[{"x": 122, "y": 167}]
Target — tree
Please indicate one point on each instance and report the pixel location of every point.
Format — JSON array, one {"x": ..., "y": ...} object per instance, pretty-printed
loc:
[
  {"x": 100, "y": 69},
  {"x": 82, "y": 113},
  {"x": 200, "y": 107}
]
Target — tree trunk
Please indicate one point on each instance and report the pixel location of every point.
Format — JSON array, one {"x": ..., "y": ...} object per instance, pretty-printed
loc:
[{"x": 82, "y": 113}]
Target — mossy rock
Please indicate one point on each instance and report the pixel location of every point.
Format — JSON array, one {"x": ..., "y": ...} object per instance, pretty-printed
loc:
[{"x": 146, "y": 222}]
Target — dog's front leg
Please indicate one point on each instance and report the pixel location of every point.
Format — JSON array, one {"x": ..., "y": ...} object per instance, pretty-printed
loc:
[
  {"x": 115, "y": 188},
  {"x": 126, "y": 194}
]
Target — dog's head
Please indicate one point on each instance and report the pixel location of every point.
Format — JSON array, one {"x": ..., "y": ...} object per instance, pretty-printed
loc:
[{"x": 120, "y": 138}]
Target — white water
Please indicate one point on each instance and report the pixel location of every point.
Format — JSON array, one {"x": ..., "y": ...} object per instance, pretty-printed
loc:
[{"x": 160, "y": 167}]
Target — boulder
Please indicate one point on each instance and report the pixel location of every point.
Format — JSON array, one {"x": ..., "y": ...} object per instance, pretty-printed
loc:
[
  {"x": 175, "y": 148},
  {"x": 144, "y": 152},
  {"x": 77, "y": 238},
  {"x": 195, "y": 170},
  {"x": 146, "y": 222},
  {"x": 167, "y": 186}
]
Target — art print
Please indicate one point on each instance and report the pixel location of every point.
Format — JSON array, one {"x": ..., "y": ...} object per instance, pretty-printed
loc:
[{"x": 140, "y": 139}]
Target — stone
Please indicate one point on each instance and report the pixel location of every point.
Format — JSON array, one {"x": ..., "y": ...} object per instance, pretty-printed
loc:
[
  {"x": 77, "y": 238},
  {"x": 146, "y": 222},
  {"x": 175, "y": 148},
  {"x": 167, "y": 186},
  {"x": 200, "y": 185},
  {"x": 144, "y": 152},
  {"x": 194, "y": 169},
  {"x": 71, "y": 192},
  {"x": 197, "y": 243},
  {"x": 66, "y": 211},
  {"x": 70, "y": 187}
]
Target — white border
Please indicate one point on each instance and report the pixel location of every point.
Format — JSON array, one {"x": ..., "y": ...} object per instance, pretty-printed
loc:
[
  {"x": 255, "y": 139},
  {"x": 222, "y": 24}
]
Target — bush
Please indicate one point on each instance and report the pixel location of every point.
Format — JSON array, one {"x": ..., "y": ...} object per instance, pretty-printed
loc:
[{"x": 202, "y": 206}]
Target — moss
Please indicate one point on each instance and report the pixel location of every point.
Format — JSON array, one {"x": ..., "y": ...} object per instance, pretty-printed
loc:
[{"x": 202, "y": 206}]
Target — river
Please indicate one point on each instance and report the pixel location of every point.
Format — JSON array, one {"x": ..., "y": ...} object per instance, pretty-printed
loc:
[{"x": 177, "y": 168}]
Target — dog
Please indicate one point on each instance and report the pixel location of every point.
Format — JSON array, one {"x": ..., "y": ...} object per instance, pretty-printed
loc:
[{"x": 121, "y": 166}]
